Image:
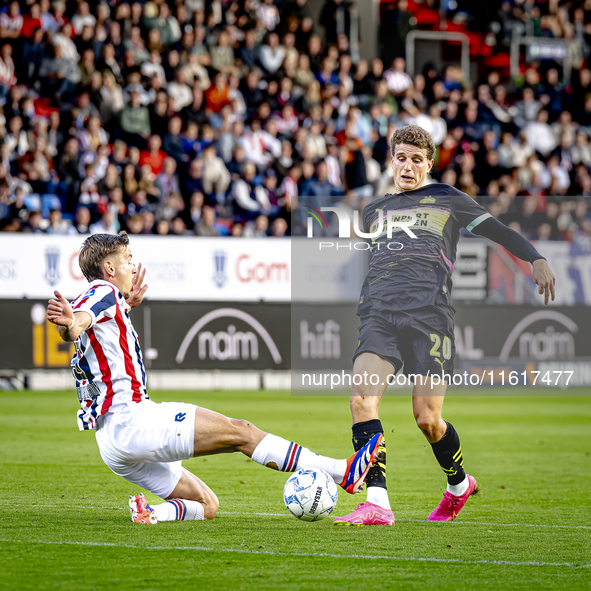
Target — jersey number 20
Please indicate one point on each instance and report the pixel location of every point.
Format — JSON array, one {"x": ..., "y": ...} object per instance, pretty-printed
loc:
[{"x": 446, "y": 349}]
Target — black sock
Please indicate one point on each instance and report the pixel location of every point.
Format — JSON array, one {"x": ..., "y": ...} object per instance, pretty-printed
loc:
[
  {"x": 362, "y": 433},
  {"x": 448, "y": 452}
]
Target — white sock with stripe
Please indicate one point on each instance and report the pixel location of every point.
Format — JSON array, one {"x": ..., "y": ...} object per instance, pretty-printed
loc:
[
  {"x": 179, "y": 510},
  {"x": 288, "y": 456}
]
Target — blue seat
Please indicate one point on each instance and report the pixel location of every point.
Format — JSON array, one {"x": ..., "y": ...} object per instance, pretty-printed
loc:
[
  {"x": 50, "y": 201},
  {"x": 32, "y": 202}
]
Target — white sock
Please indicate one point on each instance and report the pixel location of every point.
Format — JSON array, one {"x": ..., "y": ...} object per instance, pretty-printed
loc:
[
  {"x": 378, "y": 496},
  {"x": 179, "y": 510},
  {"x": 458, "y": 489},
  {"x": 291, "y": 457}
]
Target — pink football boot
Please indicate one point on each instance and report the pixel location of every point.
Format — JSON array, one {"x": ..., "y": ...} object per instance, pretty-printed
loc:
[
  {"x": 367, "y": 514},
  {"x": 451, "y": 505}
]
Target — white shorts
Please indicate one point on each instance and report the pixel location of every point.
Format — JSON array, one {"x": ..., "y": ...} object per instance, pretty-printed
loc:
[{"x": 145, "y": 443}]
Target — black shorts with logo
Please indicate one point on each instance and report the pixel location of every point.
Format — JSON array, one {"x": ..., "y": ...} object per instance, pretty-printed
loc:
[{"x": 422, "y": 339}]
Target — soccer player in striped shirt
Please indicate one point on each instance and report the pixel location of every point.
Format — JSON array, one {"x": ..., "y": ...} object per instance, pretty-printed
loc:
[{"x": 143, "y": 441}]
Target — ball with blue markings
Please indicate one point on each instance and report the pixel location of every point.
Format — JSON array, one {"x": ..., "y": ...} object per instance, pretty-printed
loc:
[{"x": 310, "y": 495}]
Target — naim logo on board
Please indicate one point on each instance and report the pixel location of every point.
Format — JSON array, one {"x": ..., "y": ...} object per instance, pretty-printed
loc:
[
  {"x": 549, "y": 344},
  {"x": 230, "y": 344}
]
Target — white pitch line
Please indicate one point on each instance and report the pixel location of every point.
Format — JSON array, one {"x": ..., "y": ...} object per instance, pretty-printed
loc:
[
  {"x": 543, "y": 525},
  {"x": 308, "y": 554},
  {"x": 489, "y": 523},
  {"x": 550, "y": 525}
]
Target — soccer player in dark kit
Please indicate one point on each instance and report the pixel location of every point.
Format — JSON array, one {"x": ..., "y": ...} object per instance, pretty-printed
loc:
[{"x": 407, "y": 316}]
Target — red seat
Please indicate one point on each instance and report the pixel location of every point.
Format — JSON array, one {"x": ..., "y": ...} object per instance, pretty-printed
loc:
[
  {"x": 501, "y": 60},
  {"x": 427, "y": 17},
  {"x": 452, "y": 27},
  {"x": 481, "y": 50}
]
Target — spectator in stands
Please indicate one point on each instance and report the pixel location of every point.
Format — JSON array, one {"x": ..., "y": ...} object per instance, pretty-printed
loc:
[
  {"x": 172, "y": 142},
  {"x": 180, "y": 91},
  {"x": 11, "y": 22},
  {"x": 217, "y": 94},
  {"x": 135, "y": 121},
  {"x": 396, "y": 77},
  {"x": 279, "y": 228},
  {"x": 195, "y": 211},
  {"x": 216, "y": 177},
  {"x": 539, "y": 134},
  {"x": 82, "y": 221},
  {"x": 105, "y": 225},
  {"x": 58, "y": 74},
  {"x": 167, "y": 181},
  {"x": 258, "y": 228},
  {"x": 249, "y": 52},
  {"x": 153, "y": 157},
  {"x": 249, "y": 196},
  {"x": 222, "y": 55},
  {"x": 193, "y": 181},
  {"x": 320, "y": 186},
  {"x": 206, "y": 225},
  {"x": 240, "y": 86},
  {"x": 34, "y": 223},
  {"x": 57, "y": 225},
  {"x": 271, "y": 54}
]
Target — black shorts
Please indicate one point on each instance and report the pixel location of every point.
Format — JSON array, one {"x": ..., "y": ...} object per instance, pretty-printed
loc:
[{"x": 422, "y": 340}]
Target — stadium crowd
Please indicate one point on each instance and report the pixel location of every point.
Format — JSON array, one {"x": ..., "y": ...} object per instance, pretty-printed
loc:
[{"x": 214, "y": 117}]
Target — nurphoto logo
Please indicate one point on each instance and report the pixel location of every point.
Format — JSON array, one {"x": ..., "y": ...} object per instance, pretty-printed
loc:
[{"x": 393, "y": 220}]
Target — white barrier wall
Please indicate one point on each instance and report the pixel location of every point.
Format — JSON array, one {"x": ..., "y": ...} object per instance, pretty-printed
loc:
[
  {"x": 178, "y": 268},
  {"x": 275, "y": 269}
]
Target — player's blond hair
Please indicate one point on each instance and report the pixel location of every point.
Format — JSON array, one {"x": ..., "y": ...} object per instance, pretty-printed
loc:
[
  {"x": 95, "y": 249},
  {"x": 415, "y": 136}
]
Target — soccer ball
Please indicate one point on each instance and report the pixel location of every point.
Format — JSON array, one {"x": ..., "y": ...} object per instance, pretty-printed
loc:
[{"x": 310, "y": 495}]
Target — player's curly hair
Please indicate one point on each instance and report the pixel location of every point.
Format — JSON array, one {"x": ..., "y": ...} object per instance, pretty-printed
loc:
[
  {"x": 415, "y": 136},
  {"x": 95, "y": 249}
]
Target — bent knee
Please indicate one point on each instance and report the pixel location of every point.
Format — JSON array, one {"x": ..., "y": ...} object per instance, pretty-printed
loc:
[
  {"x": 428, "y": 423},
  {"x": 241, "y": 424},
  {"x": 210, "y": 506},
  {"x": 243, "y": 432}
]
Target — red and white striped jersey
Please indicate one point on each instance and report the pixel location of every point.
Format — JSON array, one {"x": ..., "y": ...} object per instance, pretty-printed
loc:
[{"x": 108, "y": 365}]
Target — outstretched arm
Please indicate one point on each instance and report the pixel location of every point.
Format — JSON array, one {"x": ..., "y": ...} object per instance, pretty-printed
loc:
[
  {"x": 523, "y": 249},
  {"x": 71, "y": 324}
]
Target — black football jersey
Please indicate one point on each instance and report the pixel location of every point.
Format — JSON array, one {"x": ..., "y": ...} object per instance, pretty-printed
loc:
[{"x": 407, "y": 273}]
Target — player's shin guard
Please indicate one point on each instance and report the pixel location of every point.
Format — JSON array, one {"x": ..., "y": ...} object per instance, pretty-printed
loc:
[
  {"x": 448, "y": 452},
  {"x": 376, "y": 477}
]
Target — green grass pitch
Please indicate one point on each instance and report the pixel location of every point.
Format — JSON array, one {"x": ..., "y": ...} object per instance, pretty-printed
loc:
[{"x": 65, "y": 524}]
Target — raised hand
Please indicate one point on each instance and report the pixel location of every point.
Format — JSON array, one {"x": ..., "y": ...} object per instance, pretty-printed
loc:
[
  {"x": 59, "y": 310},
  {"x": 137, "y": 289}
]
